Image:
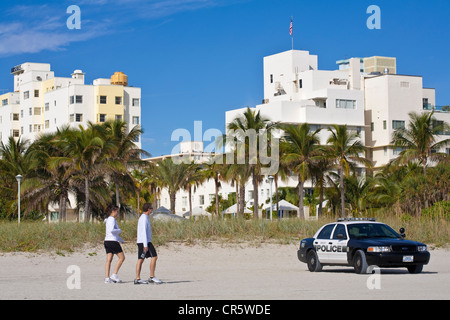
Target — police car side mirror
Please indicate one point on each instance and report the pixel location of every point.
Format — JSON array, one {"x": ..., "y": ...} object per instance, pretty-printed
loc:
[{"x": 402, "y": 232}]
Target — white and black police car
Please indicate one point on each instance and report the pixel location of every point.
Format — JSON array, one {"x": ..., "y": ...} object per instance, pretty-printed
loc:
[{"x": 361, "y": 243}]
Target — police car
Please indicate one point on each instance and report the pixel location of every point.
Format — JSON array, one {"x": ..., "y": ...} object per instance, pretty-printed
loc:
[{"x": 362, "y": 243}]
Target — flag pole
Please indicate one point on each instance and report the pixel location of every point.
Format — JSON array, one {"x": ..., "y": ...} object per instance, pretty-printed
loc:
[{"x": 291, "y": 30}]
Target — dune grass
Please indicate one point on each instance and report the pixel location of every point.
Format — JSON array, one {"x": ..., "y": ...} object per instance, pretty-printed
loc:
[{"x": 70, "y": 237}]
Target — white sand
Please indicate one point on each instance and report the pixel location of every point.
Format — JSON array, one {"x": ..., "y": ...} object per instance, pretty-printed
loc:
[{"x": 212, "y": 272}]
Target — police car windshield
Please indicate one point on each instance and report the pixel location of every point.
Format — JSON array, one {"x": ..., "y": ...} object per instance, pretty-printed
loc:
[{"x": 371, "y": 230}]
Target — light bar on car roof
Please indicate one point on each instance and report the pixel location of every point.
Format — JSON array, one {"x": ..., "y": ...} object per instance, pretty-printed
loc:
[{"x": 356, "y": 219}]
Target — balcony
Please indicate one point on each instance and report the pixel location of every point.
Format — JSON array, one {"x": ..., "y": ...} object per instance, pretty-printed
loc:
[{"x": 430, "y": 107}]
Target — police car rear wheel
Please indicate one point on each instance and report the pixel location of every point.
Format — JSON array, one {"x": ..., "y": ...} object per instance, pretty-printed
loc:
[
  {"x": 360, "y": 262},
  {"x": 314, "y": 264}
]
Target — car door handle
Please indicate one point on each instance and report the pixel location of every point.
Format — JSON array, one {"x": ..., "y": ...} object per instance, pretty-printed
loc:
[{"x": 330, "y": 242}]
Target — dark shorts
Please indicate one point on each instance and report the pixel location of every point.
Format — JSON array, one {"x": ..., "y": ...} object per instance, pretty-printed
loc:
[
  {"x": 151, "y": 252},
  {"x": 112, "y": 247}
]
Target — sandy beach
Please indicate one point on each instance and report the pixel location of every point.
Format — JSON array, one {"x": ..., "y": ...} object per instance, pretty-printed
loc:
[{"x": 211, "y": 272}]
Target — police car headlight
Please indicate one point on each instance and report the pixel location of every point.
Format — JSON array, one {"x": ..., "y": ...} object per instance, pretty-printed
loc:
[
  {"x": 302, "y": 244},
  {"x": 379, "y": 249},
  {"x": 422, "y": 248}
]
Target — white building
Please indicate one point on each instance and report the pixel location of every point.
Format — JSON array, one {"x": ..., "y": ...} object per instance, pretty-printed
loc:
[
  {"x": 295, "y": 91},
  {"x": 42, "y": 102},
  {"x": 366, "y": 94}
]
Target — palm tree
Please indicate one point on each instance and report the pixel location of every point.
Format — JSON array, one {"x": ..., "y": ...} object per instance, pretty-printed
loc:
[
  {"x": 15, "y": 159},
  {"x": 50, "y": 181},
  {"x": 125, "y": 153},
  {"x": 300, "y": 148},
  {"x": 319, "y": 171},
  {"x": 215, "y": 170},
  {"x": 249, "y": 127},
  {"x": 172, "y": 176},
  {"x": 418, "y": 141},
  {"x": 344, "y": 148},
  {"x": 87, "y": 153},
  {"x": 194, "y": 177}
]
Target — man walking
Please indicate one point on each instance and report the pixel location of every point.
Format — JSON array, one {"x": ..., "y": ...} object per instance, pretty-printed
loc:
[{"x": 145, "y": 246}]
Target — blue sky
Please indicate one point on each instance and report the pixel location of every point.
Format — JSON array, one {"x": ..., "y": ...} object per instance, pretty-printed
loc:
[{"x": 196, "y": 59}]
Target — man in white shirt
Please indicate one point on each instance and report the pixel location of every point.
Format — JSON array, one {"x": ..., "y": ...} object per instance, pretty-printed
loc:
[{"x": 145, "y": 246}]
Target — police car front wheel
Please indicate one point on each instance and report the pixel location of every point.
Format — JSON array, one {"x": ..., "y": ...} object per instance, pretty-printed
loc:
[{"x": 360, "y": 262}]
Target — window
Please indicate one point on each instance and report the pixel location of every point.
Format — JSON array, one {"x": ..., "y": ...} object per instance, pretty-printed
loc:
[
  {"x": 202, "y": 199},
  {"x": 16, "y": 133},
  {"x": 37, "y": 128},
  {"x": 72, "y": 99},
  {"x": 118, "y": 117},
  {"x": 438, "y": 126},
  {"x": 71, "y": 117},
  {"x": 78, "y": 99},
  {"x": 271, "y": 78},
  {"x": 384, "y": 124},
  {"x": 372, "y": 126},
  {"x": 37, "y": 111},
  {"x": 404, "y": 84},
  {"x": 326, "y": 232},
  {"x": 30, "y": 111},
  {"x": 26, "y": 95},
  {"x": 47, "y": 124},
  {"x": 36, "y": 93},
  {"x": 447, "y": 151},
  {"x": 135, "y": 120},
  {"x": 79, "y": 117},
  {"x": 300, "y": 83},
  {"x": 135, "y": 102},
  {"x": 340, "y": 230},
  {"x": 345, "y": 104},
  {"x": 15, "y": 117},
  {"x": 398, "y": 150},
  {"x": 103, "y": 99},
  {"x": 4, "y": 102},
  {"x": 101, "y": 117},
  {"x": 47, "y": 106},
  {"x": 397, "y": 124},
  {"x": 118, "y": 100}
]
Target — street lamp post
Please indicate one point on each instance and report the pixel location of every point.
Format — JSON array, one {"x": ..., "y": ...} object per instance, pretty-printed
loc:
[
  {"x": 270, "y": 181},
  {"x": 19, "y": 180}
]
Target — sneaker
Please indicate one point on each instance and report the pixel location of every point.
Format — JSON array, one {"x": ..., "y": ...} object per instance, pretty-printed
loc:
[
  {"x": 108, "y": 280},
  {"x": 139, "y": 281},
  {"x": 154, "y": 280},
  {"x": 114, "y": 278}
]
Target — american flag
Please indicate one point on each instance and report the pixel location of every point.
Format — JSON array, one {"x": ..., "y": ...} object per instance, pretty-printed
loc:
[{"x": 291, "y": 27}]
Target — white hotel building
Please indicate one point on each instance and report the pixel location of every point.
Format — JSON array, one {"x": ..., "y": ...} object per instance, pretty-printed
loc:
[
  {"x": 366, "y": 94},
  {"x": 42, "y": 102}
]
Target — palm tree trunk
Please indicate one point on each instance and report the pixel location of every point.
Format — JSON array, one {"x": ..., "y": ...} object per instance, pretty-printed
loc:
[
  {"x": 190, "y": 201},
  {"x": 242, "y": 200},
  {"x": 87, "y": 213},
  {"x": 301, "y": 210},
  {"x": 118, "y": 195},
  {"x": 341, "y": 187},
  {"x": 319, "y": 211},
  {"x": 255, "y": 195},
  {"x": 172, "y": 201},
  {"x": 216, "y": 181},
  {"x": 276, "y": 195},
  {"x": 237, "y": 196}
]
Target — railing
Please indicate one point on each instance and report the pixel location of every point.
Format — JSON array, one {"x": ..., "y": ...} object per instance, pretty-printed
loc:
[{"x": 429, "y": 106}]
